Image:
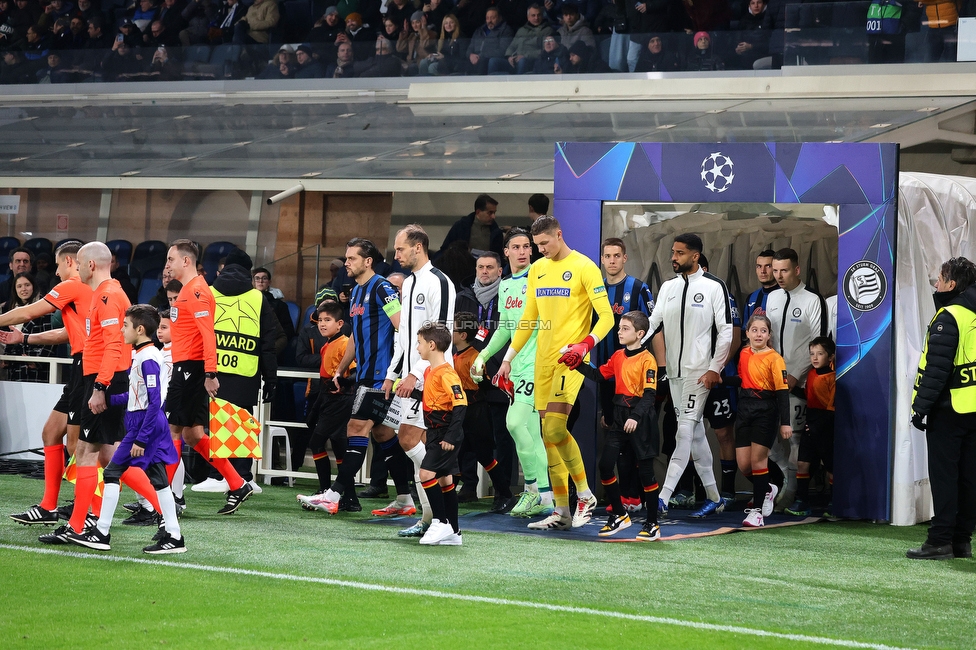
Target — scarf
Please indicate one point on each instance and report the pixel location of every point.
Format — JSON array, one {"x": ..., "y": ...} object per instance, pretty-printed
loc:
[{"x": 485, "y": 293}]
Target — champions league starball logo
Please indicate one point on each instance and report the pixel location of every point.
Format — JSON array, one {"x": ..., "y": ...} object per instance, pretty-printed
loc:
[
  {"x": 865, "y": 285},
  {"x": 717, "y": 172}
]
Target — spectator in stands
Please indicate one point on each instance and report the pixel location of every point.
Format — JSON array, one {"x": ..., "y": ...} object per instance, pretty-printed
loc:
[
  {"x": 324, "y": 33},
  {"x": 255, "y": 27},
  {"x": 471, "y": 14},
  {"x": 284, "y": 56},
  {"x": 171, "y": 15},
  {"x": 61, "y": 34},
  {"x": 87, "y": 11},
  {"x": 21, "y": 261},
  {"x": 143, "y": 13},
  {"x": 549, "y": 57},
  {"x": 344, "y": 63},
  {"x": 526, "y": 47},
  {"x": 939, "y": 26},
  {"x": 363, "y": 40},
  {"x": 131, "y": 34},
  {"x": 222, "y": 17},
  {"x": 121, "y": 275},
  {"x": 707, "y": 15},
  {"x": 491, "y": 40},
  {"x": 574, "y": 28},
  {"x": 448, "y": 55},
  {"x": 654, "y": 58},
  {"x": 26, "y": 291},
  {"x": 399, "y": 11},
  {"x": 391, "y": 30},
  {"x": 55, "y": 72},
  {"x": 160, "y": 36},
  {"x": 53, "y": 10},
  {"x": 646, "y": 17},
  {"x": 478, "y": 230},
  {"x": 306, "y": 67},
  {"x": 165, "y": 67},
  {"x": 79, "y": 31},
  {"x": 25, "y": 14},
  {"x": 703, "y": 55},
  {"x": 15, "y": 71},
  {"x": 38, "y": 43},
  {"x": 261, "y": 277},
  {"x": 583, "y": 59},
  {"x": 434, "y": 11},
  {"x": 123, "y": 62},
  {"x": 384, "y": 64},
  {"x": 415, "y": 44},
  {"x": 752, "y": 42},
  {"x": 98, "y": 41}
]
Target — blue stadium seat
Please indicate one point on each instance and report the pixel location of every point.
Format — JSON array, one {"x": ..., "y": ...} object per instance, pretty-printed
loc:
[
  {"x": 148, "y": 259},
  {"x": 39, "y": 245},
  {"x": 122, "y": 249},
  {"x": 7, "y": 244},
  {"x": 149, "y": 287},
  {"x": 300, "y": 401},
  {"x": 212, "y": 255},
  {"x": 294, "y": 310},
  {"x": 306, "y": 316}
]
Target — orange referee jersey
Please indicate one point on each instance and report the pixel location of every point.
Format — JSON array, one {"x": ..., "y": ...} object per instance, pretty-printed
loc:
[
  {"x": 442, "y": 392},
  {"x": 462, "y": 364},
  {"x": 633, "y": 373},
  {"x": 192, "y": 315},
  {"x": 762, "y": 370},
  {"x": 73, "y": 298},
  {"x": 106, "y": 352},
  {"x": 820, "y": 389},
  {"x": 332, "y": 353}
]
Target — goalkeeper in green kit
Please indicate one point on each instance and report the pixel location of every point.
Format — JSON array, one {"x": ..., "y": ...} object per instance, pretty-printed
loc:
[{"x": 523, "y": 419}]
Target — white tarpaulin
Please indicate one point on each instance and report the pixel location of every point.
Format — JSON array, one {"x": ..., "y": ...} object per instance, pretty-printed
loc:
[{"x": 935, "y": 219}]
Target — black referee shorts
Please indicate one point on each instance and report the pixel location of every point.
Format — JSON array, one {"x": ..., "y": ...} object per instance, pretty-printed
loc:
[
  {"x": 72, "y": 400},
  {"x": 107, "y": 427},
  {"x": 187, "y": 402}
]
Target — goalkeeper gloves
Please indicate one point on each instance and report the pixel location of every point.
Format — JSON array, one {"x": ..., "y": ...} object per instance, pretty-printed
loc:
[
  {"x": 573, "y": 354},
  {"x": 505, "y": 385},
  {"x": 477, "y": 370}
]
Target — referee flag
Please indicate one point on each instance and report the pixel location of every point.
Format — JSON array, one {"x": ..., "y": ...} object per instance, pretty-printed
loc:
[
  {"x": 233, "y": 431},
  {"x": 71, "y": 475}
]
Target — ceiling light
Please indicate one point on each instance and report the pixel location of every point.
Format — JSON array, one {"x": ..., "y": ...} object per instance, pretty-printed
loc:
[
  {"x": 667, "y": 126},
  {"x": 880, "y": 125},
  {"x": 473, "y": 127},
  {"x": 365, "y": 158},
  {"x": 182, "y": 117},
  {"x": 21, "y": 159},
  {"x": 716, "y": 111},
  {"x": 311, "y": 175},
  {"x": 927, "y": 109},
  {"x": 509, "y": 176},
  {"x": 130, "y": 130},
  {"x": 132, "y": 173},
  {"x": 295, "y": 129},
  {"x": 243, "y": 144},
  {"x": 419, "y": 143},
  {"x": 75, "y": 144},
  {"x": 347, "y": 115}
]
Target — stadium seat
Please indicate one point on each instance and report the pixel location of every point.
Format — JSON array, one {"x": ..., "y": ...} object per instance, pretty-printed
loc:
[
  {"x": 294, "y": 310},
  {"x": 212, "y": 255},
  {"x": 148, "y": 259},
  {"x": 7, "y": 244},
  {"x": 148, "y": 288},
  {"x": 224, "y": 61},
  {"x": 122, "y": 249},
  {"x": 306, "y": 316},
  {"x": 39, "y": 245}
]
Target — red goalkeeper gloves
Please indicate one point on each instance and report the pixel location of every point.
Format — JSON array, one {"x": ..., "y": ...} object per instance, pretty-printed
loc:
[
  {"x": 505, "y": 385},
  {"x": 573, "y": 354}
]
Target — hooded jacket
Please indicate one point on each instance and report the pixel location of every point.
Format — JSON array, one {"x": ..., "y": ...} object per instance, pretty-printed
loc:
[
  {"x": 932, "y": 384},
  {"x": 234, "y": 280}
]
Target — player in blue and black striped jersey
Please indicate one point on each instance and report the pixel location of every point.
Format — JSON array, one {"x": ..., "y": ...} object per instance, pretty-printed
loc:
[
  {"x": 374, "y": 309},
  {"x": 756, "y": 302},
  {"x": 626, "y": 294}
]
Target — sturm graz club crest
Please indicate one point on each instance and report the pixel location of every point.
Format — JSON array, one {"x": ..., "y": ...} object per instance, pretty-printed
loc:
[
  {"x": 865, "y": 285},
  {"x": 717, "y": 171}
]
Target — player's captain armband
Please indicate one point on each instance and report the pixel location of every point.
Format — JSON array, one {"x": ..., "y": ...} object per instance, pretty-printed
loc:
[
  {"x": 110, "y": 321},
  {"x": 201, "y": 314},
  {"x": 392, "y": 307},
  {"x": 598, "y": 289}
]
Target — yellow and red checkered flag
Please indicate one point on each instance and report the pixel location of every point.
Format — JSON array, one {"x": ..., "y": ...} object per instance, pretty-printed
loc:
[
  {"x": 71, "y": 475},
  {"x": 233, "y": 431}
]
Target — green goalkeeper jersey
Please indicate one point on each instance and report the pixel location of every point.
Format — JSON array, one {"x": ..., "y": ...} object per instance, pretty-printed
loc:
[{"x": 511, "y": 304}]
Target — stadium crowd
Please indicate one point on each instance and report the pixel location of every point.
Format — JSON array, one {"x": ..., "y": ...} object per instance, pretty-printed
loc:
[
  {"x": 64, "y": 41},
  {"x": 475, "y": 354}
]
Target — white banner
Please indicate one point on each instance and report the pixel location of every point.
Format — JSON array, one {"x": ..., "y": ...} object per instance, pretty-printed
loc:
[{"x": 9, "y": 204}]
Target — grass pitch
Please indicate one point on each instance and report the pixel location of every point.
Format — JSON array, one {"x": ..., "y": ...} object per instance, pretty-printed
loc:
[{"x": 307, "y": 579}]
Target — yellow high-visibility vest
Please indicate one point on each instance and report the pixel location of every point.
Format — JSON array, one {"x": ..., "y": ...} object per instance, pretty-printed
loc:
[
  {"x": 237, "y": 323},
  {"x": 962, "y": 383}
]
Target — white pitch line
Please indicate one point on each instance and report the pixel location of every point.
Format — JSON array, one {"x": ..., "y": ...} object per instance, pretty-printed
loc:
[{"x": 429, "y": 593}]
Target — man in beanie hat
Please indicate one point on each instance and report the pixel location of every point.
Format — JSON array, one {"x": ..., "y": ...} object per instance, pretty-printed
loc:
[
  {"x": 307, "y": 66},
  {"x": 247, "y": 330}
]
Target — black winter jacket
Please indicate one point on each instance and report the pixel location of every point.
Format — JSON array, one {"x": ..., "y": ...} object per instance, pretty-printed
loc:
[{"x": 932, "y": 387}]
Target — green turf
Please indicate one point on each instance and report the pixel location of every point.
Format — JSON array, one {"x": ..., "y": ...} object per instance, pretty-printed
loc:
[{"x": 839, "y": 580}]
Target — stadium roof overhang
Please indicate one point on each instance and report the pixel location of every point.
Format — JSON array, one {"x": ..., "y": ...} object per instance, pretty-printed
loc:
[{"x": 448, "y": 134}]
